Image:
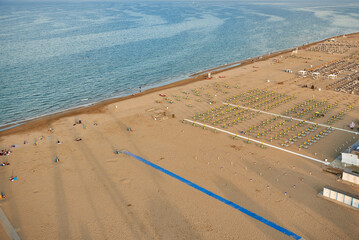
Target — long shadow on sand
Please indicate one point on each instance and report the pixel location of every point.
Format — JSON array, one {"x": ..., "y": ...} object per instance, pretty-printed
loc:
[
  {"x": 289, "y": 175},
  {"x": 11, "y": 208},
  {"x": 62, "y": 213},
  {"x": 90, "y": 197},
  {"x": 111, "y": 188},
  {"x": 167, "y": 222},
  {"x": 234, "y": 194},
  {"x": 153, "y": 208}
]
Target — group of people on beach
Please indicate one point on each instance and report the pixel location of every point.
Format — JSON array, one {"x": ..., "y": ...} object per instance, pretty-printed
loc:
[
  {"x": 77, "y": 122},
  {"x": 4, "y": 164},
  {"x": 2, "y": 195},
  {"x": 5, "y": 152}
]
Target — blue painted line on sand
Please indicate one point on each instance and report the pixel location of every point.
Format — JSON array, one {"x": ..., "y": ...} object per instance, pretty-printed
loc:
[{"x": 211, "y": 194}]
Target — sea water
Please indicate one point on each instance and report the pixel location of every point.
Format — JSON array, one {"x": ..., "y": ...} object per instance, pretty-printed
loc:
[{"x": 59, "y": 55}]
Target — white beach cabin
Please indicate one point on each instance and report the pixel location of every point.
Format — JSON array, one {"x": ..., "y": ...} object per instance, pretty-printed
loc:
[
  {"x": 302, "y": 73},
  {"x": 350, "y": 177},
  {"x": 350, "y": 158}
]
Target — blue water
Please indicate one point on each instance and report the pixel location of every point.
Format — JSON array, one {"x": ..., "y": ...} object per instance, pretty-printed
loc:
[{"x": 56, "y": 56}]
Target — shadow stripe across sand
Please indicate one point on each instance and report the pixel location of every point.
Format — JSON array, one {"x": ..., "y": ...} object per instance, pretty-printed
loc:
[
  {"x": 215, "y": 196},
  {"x": 9, "y": 229}
]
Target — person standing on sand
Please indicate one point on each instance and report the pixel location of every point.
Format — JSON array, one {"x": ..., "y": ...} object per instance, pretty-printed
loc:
[{"x": 139, "y": 89}]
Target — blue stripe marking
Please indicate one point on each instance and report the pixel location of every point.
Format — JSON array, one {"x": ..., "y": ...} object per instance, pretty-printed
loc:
[{"x": 211, "y": 194}]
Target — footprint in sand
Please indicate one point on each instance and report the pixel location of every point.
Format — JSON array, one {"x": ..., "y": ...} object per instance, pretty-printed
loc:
[
  {"x": 125, "y": 181},
  {"x": 111, "y": 161}
]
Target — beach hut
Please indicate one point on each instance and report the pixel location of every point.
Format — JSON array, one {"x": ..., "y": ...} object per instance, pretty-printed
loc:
[
  {"x": 302, "y": 73},
  {"x": 350, "y": 158},
  {"x": 345, "y": 198},
  {"x": 350, "y": 177}
]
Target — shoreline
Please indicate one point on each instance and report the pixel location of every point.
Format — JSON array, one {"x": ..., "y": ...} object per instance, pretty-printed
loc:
[
  {"x": 41, "y": 121},
  {"x": 256, "y": 143}
]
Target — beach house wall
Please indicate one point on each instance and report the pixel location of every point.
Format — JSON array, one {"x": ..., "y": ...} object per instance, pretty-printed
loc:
[
  {"x": 350, "y": 158},
  {"x": 350, "y": 177},
  {"x": 340, "y": 197}
]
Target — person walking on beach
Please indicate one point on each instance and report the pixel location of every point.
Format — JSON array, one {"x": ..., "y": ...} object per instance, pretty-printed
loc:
[{"x": 139, "y": 88}]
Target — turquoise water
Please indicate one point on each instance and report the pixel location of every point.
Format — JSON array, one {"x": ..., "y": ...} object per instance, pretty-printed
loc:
[{"x": 56, "y": 56}]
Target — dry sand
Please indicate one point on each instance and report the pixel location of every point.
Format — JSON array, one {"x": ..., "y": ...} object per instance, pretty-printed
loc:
[{"x": 93, "y": 193}]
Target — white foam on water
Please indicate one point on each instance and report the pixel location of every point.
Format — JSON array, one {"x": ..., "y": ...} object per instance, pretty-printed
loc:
[
  {"x": 270, "y": 17},
  {"x": 63, "y": 29},
  {"x": 5, "y": 17},
  {"x": 145, "y": 19},
  {"x": 42, "y": 20},
  {"x": 53, "y": 43},
  {"x": 98, "y": 20},
  {"x": 47, "y": 48},
  {"x": 335, "y": 18},
  {"x": 346, "y": 21}
]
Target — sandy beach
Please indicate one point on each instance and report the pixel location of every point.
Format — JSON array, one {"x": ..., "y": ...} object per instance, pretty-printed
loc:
[{"x": 94, "y": 193}]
